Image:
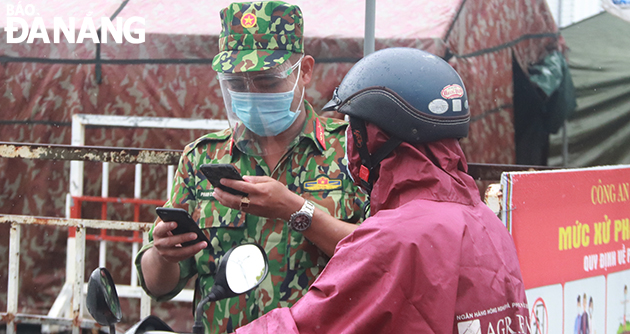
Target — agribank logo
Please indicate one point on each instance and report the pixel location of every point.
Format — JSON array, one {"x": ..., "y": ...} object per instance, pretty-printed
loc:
[{"x": 18, "y": 29}]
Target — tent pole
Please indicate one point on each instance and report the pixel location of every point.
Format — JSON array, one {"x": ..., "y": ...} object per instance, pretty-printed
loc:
[
  {"x": 559, "y": 14},
  {"x": 565, "y": 145},
  {"x": 370, "y": 19}
]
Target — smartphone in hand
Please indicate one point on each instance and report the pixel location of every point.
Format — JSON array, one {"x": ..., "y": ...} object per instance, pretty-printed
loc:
[
  {"x": 185, "y": 224},
  {"x": 215, "y": 172}
]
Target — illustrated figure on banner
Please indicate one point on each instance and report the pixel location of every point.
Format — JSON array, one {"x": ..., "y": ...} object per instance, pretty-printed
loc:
[
  {"x": 590, "y": 316},
  {"x": 584, "y": 323},
  {"x": 578, "y": 318},
  {"x": 584, "y": 317},
  {"x": 623, "y": 326}
]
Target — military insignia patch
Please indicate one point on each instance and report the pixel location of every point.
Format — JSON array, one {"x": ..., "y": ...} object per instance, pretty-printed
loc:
[
  {"x": 322, "y": 183},
  {"x": 248, "y": 20},
  {"x": 319, "y": 133}
]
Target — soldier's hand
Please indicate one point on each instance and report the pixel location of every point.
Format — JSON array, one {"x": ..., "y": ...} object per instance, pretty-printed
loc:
[
  {"x": 168, "y": 246},
  {"x": 267, "y": 197}
]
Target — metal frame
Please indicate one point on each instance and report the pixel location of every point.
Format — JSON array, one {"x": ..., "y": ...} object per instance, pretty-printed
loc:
[
  {"x": 76, "y": 321},
  {"x": 79, "y": 122},
  {"x": 67, "y": 310}
]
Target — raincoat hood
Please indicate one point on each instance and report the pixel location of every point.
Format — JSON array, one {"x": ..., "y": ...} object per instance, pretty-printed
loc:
[{"x": 433, "y": 171}]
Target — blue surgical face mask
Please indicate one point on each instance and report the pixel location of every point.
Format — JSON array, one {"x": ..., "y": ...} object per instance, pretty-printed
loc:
[{"x": 265, "y": 114}]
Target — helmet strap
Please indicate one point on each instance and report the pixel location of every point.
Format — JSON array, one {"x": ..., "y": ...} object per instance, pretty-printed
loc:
[{"x": 369, "y": 162}]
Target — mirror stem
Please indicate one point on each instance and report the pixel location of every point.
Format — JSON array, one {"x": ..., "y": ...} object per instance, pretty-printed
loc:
[
  {"x": 112, "y": 329},
  {"x": 215, "y": 293}
]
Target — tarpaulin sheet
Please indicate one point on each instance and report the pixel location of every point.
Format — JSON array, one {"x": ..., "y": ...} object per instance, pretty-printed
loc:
[{"x": 599, "y": 130}]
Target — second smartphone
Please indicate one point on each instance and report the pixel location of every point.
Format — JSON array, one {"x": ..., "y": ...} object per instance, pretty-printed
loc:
[{"x": 215, "y": 172}]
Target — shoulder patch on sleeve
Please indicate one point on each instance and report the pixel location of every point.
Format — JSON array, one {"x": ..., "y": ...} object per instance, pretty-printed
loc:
[{"x": 218, "y": 136}]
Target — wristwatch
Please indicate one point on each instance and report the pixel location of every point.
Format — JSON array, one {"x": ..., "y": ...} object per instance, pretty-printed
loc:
[{"x": 301, "y": 220}]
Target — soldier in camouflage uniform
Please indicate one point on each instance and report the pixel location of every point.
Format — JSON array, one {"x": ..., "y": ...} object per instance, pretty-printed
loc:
[{"x": 288, "y": 156}]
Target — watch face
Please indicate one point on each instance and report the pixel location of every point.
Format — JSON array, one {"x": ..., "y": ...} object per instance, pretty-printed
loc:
[{"x": 301, "y": 222}]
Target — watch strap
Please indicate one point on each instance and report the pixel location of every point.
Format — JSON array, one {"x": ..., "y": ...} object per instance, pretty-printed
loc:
[
  {"x": 308, "y": 208},
  {"x": 297, "y": 220}
]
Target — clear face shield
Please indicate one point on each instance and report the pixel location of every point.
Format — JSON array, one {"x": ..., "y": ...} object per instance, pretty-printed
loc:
[{"x": 262, "y": 107}]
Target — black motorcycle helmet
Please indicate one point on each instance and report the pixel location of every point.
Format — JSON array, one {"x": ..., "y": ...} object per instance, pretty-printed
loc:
[{"x": 412, "y": 95}]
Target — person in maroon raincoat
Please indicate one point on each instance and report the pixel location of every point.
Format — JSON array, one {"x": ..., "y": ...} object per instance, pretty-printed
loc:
[{"x": 432, "y": 257}]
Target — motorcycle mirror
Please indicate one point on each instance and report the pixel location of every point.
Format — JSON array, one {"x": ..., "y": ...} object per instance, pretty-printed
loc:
[
  {"x": 241, "y": 269},
  {"x": 102, "y": 299}
]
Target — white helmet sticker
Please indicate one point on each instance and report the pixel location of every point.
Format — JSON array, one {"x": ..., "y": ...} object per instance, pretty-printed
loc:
[
  {"x": 457, "y": 105},
  {"x": 438, "y": 106}
]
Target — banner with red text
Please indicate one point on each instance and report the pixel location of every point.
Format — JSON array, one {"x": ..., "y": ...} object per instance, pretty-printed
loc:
[{"x": 571, "y": 229}]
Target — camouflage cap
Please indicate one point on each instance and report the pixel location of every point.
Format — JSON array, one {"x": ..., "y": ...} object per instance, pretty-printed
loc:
[{"x": 257, "y": 36}]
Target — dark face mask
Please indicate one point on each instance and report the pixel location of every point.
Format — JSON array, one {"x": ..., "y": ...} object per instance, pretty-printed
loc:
[
  {"x": 362, "y": 163},
  {"x": 354, "y": 161}
]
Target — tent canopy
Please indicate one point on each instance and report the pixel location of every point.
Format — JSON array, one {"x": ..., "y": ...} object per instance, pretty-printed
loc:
[
  {"x": 173, "y": 28},
  {"x": 598, "y": 132}
]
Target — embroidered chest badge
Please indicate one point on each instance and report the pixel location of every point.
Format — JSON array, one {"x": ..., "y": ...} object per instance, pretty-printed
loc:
[{"x": 322, "y": 183}]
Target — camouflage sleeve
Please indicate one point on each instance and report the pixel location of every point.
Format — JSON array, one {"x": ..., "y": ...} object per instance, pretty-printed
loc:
[
  {"x": 182, "y": 196},
  {"x": 361, "y": 207},
  {"x": 186, "y": 271}
]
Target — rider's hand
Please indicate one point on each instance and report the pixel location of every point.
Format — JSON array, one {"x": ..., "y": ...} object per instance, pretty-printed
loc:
[
  {"x": 267, "y": 197},
  {"x": 168, "y": 246}
]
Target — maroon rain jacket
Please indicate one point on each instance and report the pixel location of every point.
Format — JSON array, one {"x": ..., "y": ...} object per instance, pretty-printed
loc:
[{"x": 432, "y": 258}]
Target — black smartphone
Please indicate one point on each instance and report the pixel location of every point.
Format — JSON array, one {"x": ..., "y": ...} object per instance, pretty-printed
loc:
[
  {"x": 185, "y": 223},
  {"x": 215, "y": 172}
]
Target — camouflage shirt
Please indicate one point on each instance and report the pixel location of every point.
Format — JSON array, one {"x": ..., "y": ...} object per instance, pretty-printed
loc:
[{"x": 314, "y": 168}]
